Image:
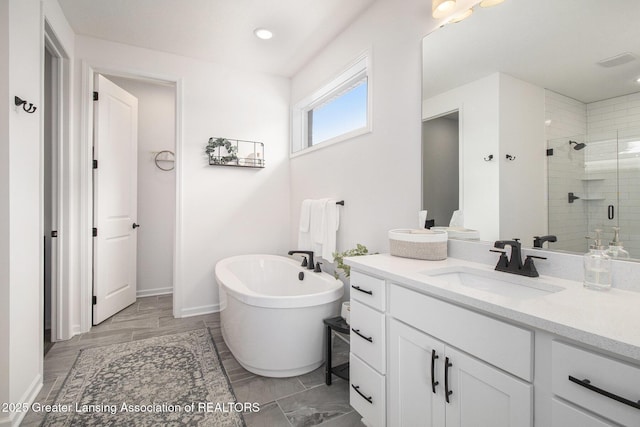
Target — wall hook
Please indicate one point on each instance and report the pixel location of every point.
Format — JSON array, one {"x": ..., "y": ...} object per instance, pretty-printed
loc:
[
  {"x": 510, "y": 157},
  {"x": 30, "y": 109},
  {"x": 488, "y": 158}
]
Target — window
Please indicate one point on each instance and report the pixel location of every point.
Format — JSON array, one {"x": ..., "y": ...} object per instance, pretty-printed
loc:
[{"x": 336, "y": 112}]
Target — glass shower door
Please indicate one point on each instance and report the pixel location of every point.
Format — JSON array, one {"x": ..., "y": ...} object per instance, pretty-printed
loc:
[{"x": 629, "y": 190}]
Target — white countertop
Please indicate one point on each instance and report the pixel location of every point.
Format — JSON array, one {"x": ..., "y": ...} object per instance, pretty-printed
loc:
[{"x": 608, "y": 320}]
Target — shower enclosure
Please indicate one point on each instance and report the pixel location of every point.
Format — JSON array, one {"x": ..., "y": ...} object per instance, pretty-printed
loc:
[{"x": 594, "y": 183}]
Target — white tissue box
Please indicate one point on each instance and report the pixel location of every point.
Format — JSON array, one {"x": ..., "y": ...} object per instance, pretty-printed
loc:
[{"x": 418, "y": 244}]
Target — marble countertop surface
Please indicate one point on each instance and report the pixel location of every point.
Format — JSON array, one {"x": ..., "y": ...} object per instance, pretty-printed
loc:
[{"x": 608, "y": 320}]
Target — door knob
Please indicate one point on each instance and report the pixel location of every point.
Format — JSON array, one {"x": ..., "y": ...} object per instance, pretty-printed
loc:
[{"x": 134, "y": 226}]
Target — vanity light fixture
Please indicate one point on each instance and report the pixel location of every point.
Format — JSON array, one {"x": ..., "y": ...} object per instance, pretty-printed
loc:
[
  {"x": 440, "y": 8},
  {"x": 263, "y": 33},
  {"x": 461, "y": 17},
  {"x": 489, "y": 3}
]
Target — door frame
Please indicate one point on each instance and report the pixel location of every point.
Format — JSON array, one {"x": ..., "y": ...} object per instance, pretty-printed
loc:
[
  {"x": 61, "y": 328},
  {"x": 89, "y": 70}
]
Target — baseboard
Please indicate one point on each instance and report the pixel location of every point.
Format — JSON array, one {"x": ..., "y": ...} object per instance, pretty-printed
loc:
[
  {"x": 197, "y": 311},
  {"x": 153, "y": 292},
  {"x": 28, "y": 397}
]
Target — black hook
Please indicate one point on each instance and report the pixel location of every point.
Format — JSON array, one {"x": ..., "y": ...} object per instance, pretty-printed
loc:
[
  {"x": 510, "y": 157},
  {"x": 30, "y": 109},
  {"x": 488, "y": 158}
]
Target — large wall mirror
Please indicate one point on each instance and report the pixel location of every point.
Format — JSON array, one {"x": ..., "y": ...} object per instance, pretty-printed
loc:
[{"x": 531, "y": 110}]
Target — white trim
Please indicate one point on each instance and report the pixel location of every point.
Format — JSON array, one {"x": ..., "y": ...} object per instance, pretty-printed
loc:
[
  {"x": 86, "y": 179},
  {"x": 358, "y": 69},
  {"x": 153, "y": 292},
  {"x": 29, "y": 397},
  {"x": 332, "y": 141},
  {"x": 178, "y": 249},
  {"x": 197, "y": 311},
  {"x": 61, "y": 284}
]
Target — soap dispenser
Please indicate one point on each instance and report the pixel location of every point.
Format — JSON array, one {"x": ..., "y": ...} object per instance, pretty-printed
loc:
[
  {"x": 615, "y": 246},
  {"x": 597, "y": 266}
]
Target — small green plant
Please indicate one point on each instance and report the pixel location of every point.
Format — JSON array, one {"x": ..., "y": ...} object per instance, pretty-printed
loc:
[
  {"x": 215, "y": 144},
  {"x": 338, "y": 258}
]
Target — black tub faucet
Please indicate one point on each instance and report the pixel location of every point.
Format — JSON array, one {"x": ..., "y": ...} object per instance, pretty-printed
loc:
[
  {"x": 310, "y": 264},
  {"x": 538, "y": 241}
]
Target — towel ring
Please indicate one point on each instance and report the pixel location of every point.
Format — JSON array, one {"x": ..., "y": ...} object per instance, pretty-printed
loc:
[{"x": 159, "y": 161}]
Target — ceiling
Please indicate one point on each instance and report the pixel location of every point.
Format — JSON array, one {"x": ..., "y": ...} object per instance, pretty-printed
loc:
[
  {"x": 554, "y": 44},
  {"x": 219, "y": 30}
]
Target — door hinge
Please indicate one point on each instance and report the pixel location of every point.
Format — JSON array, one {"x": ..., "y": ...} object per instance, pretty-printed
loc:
[
  {"x": 95, "y": 164},
  {"x": 95, "y": 96},
  {"x": 550, "y": 152},
  {"x": 54, "y": 233},
  {"x": 95, "y": 232},
  {"x": 94, "y": 300}
]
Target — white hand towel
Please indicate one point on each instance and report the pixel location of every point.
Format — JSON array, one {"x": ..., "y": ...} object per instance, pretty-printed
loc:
[
  {"x": 304, "y": 231},
  {"x": 316, "y": 226},
  {"x": 331, "y": 224},
  {"x": 305, "y": 214}
]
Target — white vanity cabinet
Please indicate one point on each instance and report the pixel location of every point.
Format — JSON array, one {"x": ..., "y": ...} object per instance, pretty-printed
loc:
[
  {"x": 367, "y": 360},
  {"x": 432, "y": 383},
  {"x": 431, "y": 355},
  {"x": 607, "y": 387}
]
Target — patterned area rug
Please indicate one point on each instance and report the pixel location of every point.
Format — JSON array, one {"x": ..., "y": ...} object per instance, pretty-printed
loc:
[{"x": 168, "y": 380}]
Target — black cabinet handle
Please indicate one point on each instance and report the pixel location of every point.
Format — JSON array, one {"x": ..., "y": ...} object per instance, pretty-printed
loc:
[
  {"x": 610, "y": 212},
  {"x": 367, "y": 398},
  {"x": 134, "y": 226},
  {"x": 358, "y": 288},
  {"x": 357, "y": 332},
  {"x": 447, "y": 392},
  {"x": 587, "y": 384},
  {"x": 434, "y": 383}
]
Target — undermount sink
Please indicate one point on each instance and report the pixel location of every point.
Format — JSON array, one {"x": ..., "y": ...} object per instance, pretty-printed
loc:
[{"x": 505, "y": 284}]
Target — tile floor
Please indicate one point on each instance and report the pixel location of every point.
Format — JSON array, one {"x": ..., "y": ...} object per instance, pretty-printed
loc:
[{"x": 288, "y": 402}]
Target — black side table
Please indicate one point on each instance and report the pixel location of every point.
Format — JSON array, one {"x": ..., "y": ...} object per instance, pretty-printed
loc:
[{"x": 337, "y": 324}]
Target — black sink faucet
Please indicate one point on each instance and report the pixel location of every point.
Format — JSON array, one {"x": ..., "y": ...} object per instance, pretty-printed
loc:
[
  {"x": 538, "y": 241},
  {"x": 310, "y": 263},
  {"x": 514, "y": 264}
]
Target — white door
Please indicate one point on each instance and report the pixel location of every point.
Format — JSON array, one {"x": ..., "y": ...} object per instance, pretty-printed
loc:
[
  {"x": 416, "y": 397},
  {"x": 483, "y": 396},
  {"x": 115, "y": 199}
]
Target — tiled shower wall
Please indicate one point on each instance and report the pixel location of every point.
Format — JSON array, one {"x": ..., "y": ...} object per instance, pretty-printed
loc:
[
  {"x": 622, "y": 114},
  {"x": 592, "y": 173},
  {"x": 566, "y": 118}
]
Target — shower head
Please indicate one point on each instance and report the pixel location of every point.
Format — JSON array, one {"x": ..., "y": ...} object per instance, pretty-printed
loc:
[{"x": 578, "y": 145}]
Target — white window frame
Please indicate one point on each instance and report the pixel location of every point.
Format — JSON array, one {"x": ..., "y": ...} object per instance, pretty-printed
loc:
[{"x": 300, "y": 112}]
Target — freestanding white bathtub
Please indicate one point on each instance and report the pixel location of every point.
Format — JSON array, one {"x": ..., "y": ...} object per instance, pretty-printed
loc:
[{"x": 271, "y": 320}]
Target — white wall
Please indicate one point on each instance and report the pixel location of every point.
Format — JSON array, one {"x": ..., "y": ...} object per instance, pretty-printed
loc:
[
  {"x": 223, "y": 211},
  {"x": 20, "y": 189},
  {"x": 523, "y": 210},
  {"x": 377, "y": 174},
  {"x": 499, "y": 115},
  {"x": 478, "y": 103},
  {"x": 156, "y": 188}
]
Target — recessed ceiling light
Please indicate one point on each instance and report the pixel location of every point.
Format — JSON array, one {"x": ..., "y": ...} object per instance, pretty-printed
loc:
[
  {"x": 638, "y": 80},
  {"x": 263, "y": 33},
  {"x": 489, "y": 3}
]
